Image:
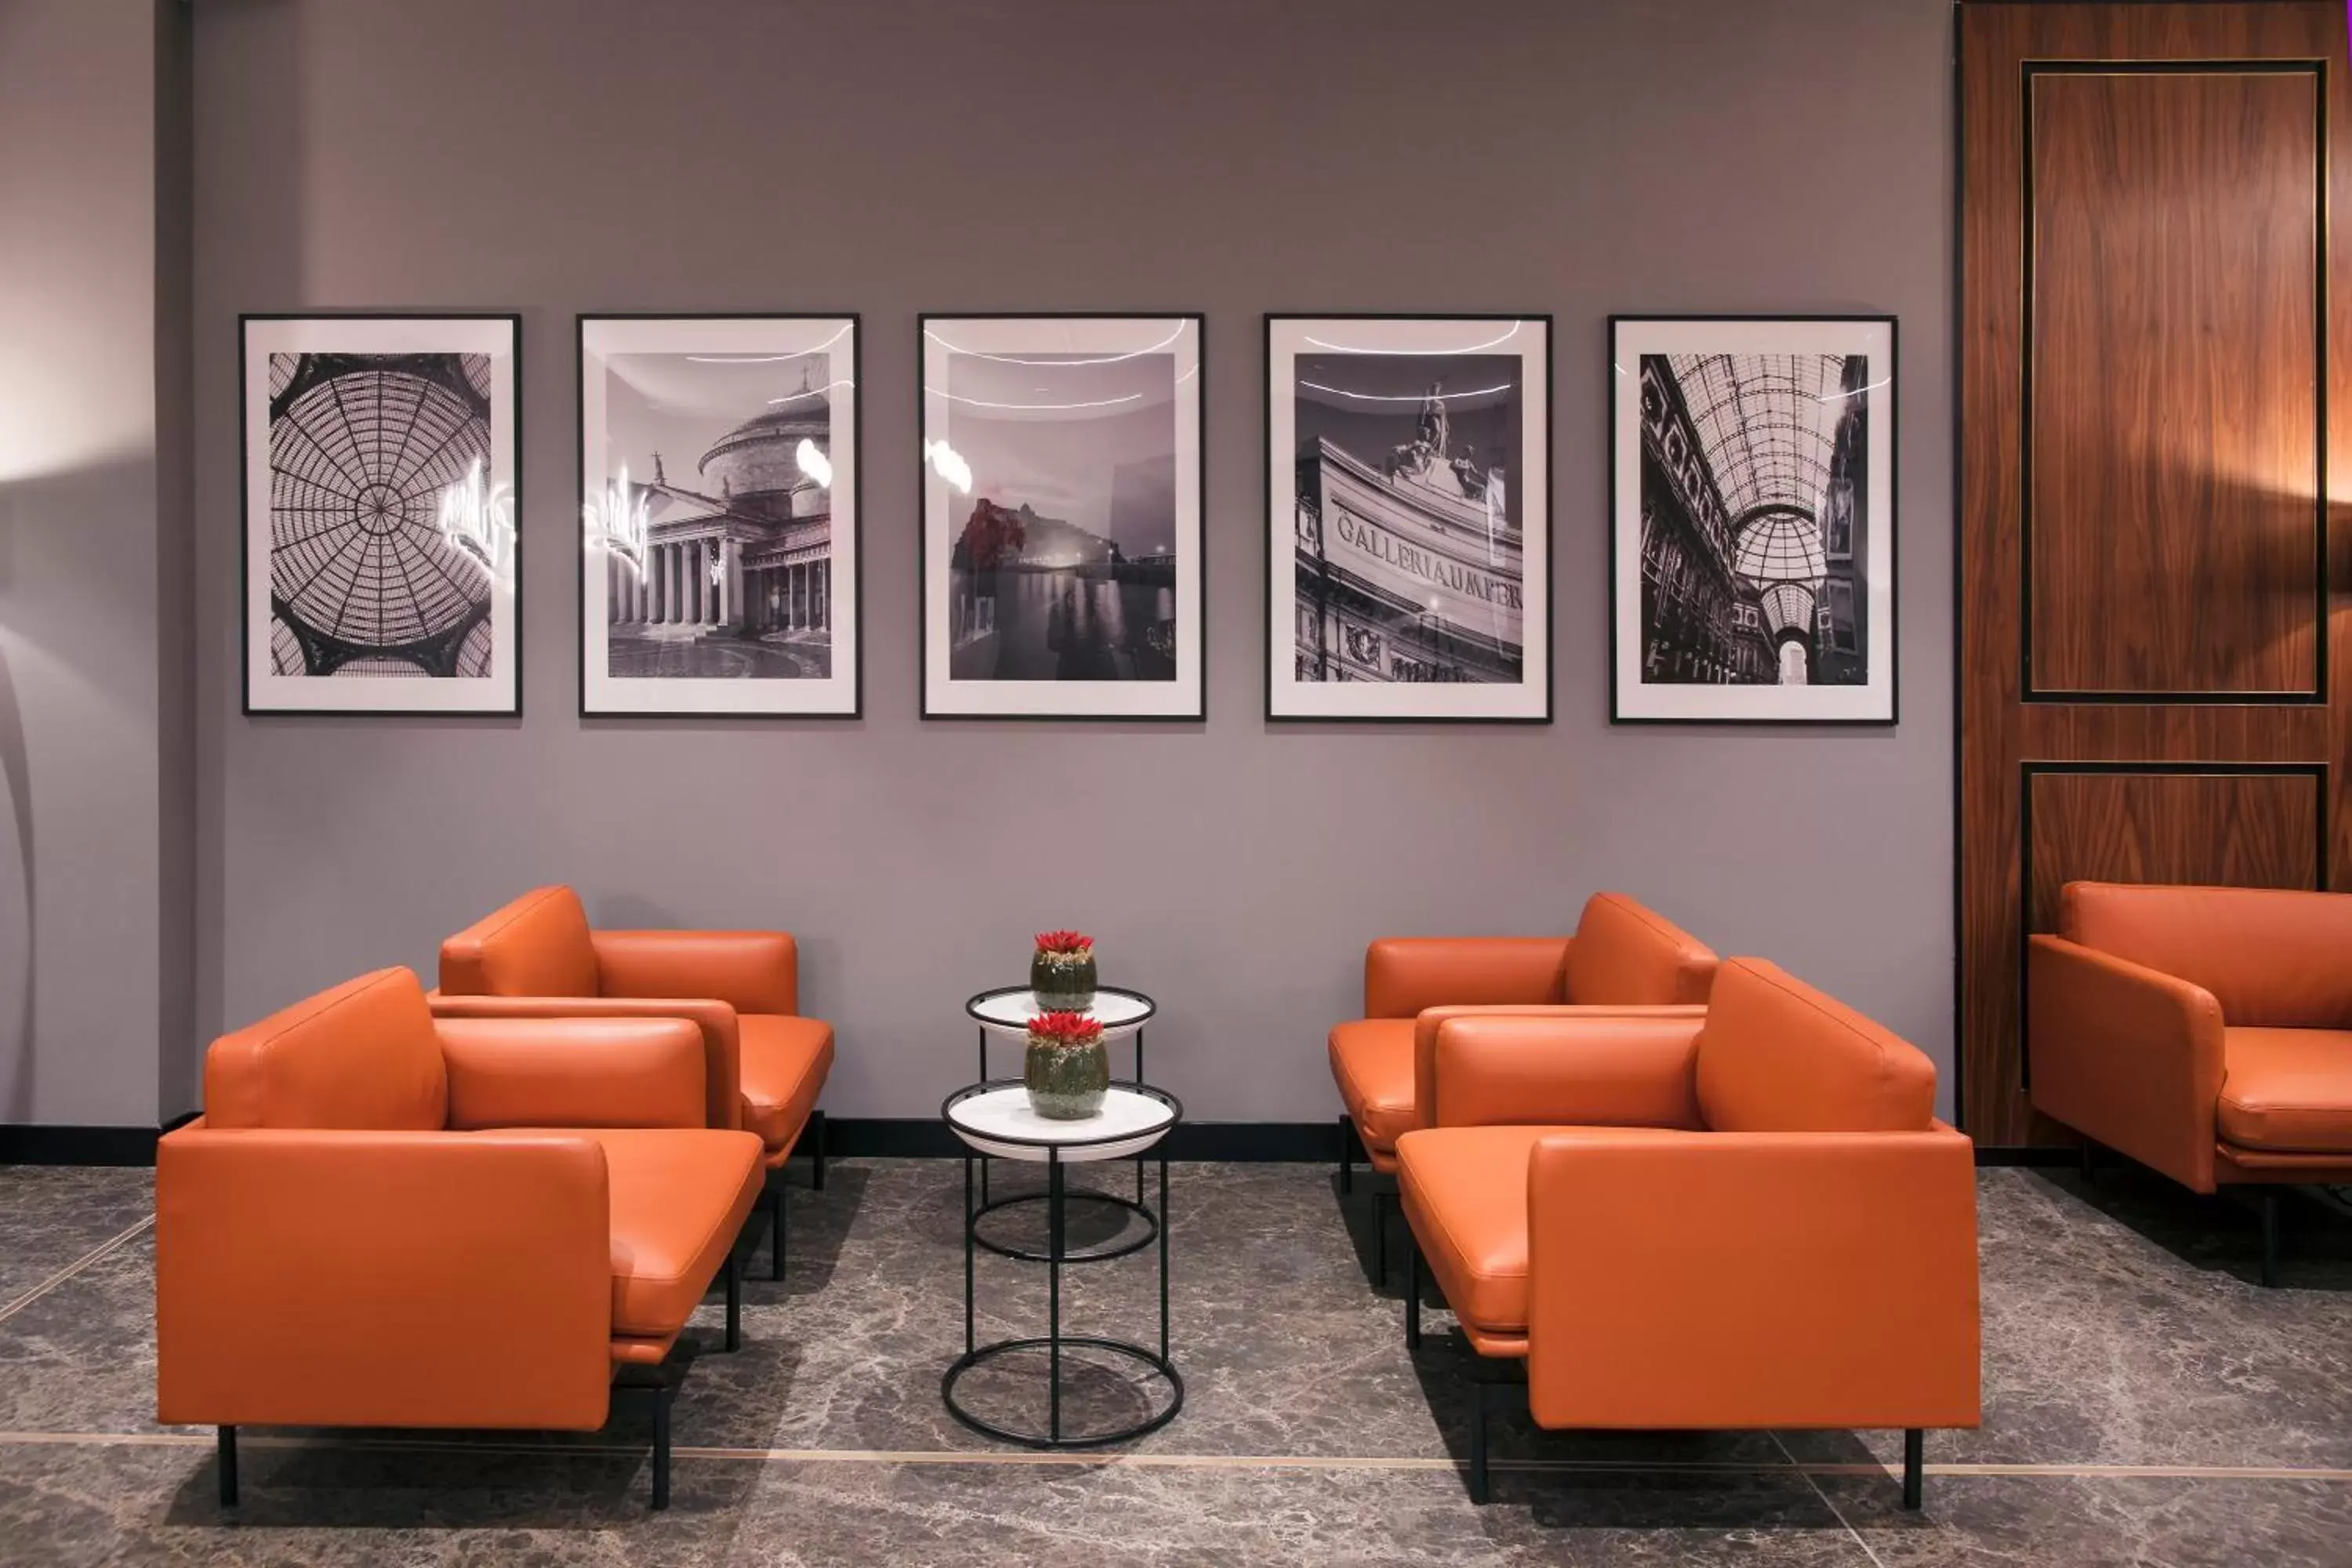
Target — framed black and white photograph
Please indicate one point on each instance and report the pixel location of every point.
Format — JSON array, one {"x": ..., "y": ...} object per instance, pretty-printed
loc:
[
  {"x": 380, "y": 497},
  {"x": 1409, "y": 517},
  {"x": 1062, "y": 553},
  {"x": 719, "y": 509},
  {"x": 1752, "y": 541}
]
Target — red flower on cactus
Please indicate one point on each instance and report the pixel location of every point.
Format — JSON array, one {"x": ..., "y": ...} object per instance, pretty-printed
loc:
[
  {"x": 1066, "y": 1028},
  {"x": 1064, "y": 941}
]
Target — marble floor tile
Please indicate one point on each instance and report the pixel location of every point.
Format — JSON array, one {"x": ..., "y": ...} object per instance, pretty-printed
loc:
[
  {"x": 52, "y": 1214},
  {"x": 2123, "y": 1327}
]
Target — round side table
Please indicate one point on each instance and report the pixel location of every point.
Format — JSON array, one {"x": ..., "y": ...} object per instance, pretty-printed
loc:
[
  {"x": 993, "y": 1118},
  {"x": 1004, "y": 1016}
]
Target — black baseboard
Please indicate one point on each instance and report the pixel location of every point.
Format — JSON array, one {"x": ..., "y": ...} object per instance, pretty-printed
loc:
[
  {"x": 2027, "y": 1155},
  {"x": 876, "y": 1137},
  {"x": 30, "y": 1145},
  {"x": 928, "y": 1138}
]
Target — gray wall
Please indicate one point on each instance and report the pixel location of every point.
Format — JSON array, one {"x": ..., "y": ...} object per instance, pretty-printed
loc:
[
  {"x": 890, "y": 156},
  {"x": 95, "y": 741}
]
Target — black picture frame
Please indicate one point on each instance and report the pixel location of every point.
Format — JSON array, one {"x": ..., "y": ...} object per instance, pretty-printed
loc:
[
  {"x": 1197, "y": 712},
  {"x": 247, "y": 322},
  {"x": 1279, "y": 578},
  {"x": 1625, "y": 391},
  {"x": 855, "y": 643}
]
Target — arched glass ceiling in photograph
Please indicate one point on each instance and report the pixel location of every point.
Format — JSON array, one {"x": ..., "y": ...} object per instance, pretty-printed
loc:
[{"x": 1767, "y": 423}]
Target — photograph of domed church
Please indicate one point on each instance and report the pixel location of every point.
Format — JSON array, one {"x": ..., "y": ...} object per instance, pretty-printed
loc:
[
  {"x": 717, "y": 509},
  {"x": 1754, "y": 519}
]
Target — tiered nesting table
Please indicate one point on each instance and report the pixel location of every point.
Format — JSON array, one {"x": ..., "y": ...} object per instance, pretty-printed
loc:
[{"x": 994, "y": 1120}]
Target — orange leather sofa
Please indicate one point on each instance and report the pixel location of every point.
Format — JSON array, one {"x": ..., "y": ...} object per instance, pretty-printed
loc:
[
  {"x": 385, "y": 1220},
  {"x": 2206, "y": 1032},
  {"x": 1748, "y": 1220},
  {"x": 767, "y": 1065},
  {"x": 1622, "y": 955}
]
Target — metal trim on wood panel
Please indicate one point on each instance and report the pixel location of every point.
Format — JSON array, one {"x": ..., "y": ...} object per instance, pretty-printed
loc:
[
  {"x": 2028, "y": 72},
  {"x": 2027, "y": 772}
]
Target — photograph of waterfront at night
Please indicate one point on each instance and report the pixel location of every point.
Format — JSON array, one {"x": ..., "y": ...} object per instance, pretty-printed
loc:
[{"x": 1062, "y": 468}]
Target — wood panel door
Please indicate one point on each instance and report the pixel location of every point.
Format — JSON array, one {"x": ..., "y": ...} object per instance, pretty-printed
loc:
[{"x": 2156, "y": 310}]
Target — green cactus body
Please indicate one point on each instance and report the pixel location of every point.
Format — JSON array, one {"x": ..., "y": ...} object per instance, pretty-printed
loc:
[
  {"x": 1064, "y": 982},
  {"x": 1067, "y": 1079}
]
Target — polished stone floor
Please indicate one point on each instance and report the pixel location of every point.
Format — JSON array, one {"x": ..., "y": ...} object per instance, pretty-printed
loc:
[{"x": 2146, "y": 1403}]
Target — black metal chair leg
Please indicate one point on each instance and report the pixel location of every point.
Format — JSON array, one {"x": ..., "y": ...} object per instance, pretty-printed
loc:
[
  {"x": 1412, "y": 1267},
  {"x": 1346, "y": 1157},
  {"x": 2270, "y": 1237},
  {"x": 2090, "y": 1161},
  {"x": 1479, "y": 1489},
  {"x": 734, "y": 1299},
  {"x": 816, "y": 1174},
  {"x": 1380, "y": 1202},
  {"x": 1914, "y": 1453},
  {"x": 228, "y": 1467},
  {"x": 776, "y": 1232},
  {"x": 661, "y": 1448}
]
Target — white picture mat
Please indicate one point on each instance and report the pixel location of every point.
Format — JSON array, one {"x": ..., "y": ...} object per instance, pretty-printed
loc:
[
  {"x": 945, "y": 507},
  {"x": 600, "y": 338},
  {"x": 1873, "y": 702},
  {"x": 497, "y": 692},
  {"x": 1288, "y": 697}
]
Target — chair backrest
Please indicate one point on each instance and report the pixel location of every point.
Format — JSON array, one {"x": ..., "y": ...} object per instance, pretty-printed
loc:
[
  {"x": 2273, "y": 958},
  {"x": 1626, "y": 955},
  {"x": 1777, "y": 1056},
  {"x": 536, "y": 946},
  {"x": 361, "y": 1055}
]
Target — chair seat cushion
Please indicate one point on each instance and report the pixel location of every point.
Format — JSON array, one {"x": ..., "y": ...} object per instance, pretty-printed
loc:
[
  {"x": 1371, "y": 1059},
  {"x": 1465, "y": 1194},
  {"x": 2289, "y": 1090},
  {"x": 784, "y": 1062},
  {"x": 679, "y": 1197}
]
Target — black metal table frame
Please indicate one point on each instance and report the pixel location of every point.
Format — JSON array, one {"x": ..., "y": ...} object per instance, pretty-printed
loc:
[
  {"x": 1054, "y": 1258},
  {"x": 1136, "y": 1206}
]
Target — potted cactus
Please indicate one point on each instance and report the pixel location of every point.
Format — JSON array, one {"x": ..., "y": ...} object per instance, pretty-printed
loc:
[
  {"x": 1061, "y": 973},
  {"x": 1066, "y": 1068}
]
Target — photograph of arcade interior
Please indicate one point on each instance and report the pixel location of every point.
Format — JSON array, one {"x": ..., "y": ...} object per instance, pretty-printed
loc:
[{"x": 1586, "y": 1100}]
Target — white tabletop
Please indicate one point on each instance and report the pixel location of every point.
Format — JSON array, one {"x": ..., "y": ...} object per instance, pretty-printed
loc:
[
  {"x": 1128, "y": 1124},
  {"x": 1007, "y": 1013}
]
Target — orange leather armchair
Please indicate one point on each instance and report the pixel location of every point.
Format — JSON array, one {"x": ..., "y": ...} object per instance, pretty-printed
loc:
[
  {"x": 1622, "y": 955},
  {"x": 767, "y": 1065},
  {"x": 383, "y": 1220},
  {"x": 1748, "y": 1220},
  {"x": 2206, "y": 1032}
]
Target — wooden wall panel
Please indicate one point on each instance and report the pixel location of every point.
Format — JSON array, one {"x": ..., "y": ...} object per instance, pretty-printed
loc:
[
  {"x": 2172, "y": 439},
  {"x": 2149, "y": 357},
  {"x": 2237, "y": 829}
]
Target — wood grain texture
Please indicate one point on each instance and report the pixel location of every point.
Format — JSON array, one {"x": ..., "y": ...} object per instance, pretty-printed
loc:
[
  {"x": 2000, "y": 729},
  {"x": 2250, "y": 830},
  {"x": 2173, "y": 342}
]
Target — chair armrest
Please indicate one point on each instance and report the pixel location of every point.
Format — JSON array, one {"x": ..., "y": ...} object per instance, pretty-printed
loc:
[
  {"x": 1595, "y": 1066},
  {"x": 1405, "y": 974},
  {"x": 752, "y": 970},
  {"x": 574, "y": 1072},
  {"x": 722, "y": 1080},
  {"x": 1753, "y": 1280},
  {"x": 2125, "y": 1054},
  {"x": 342, "y": 1278}
]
